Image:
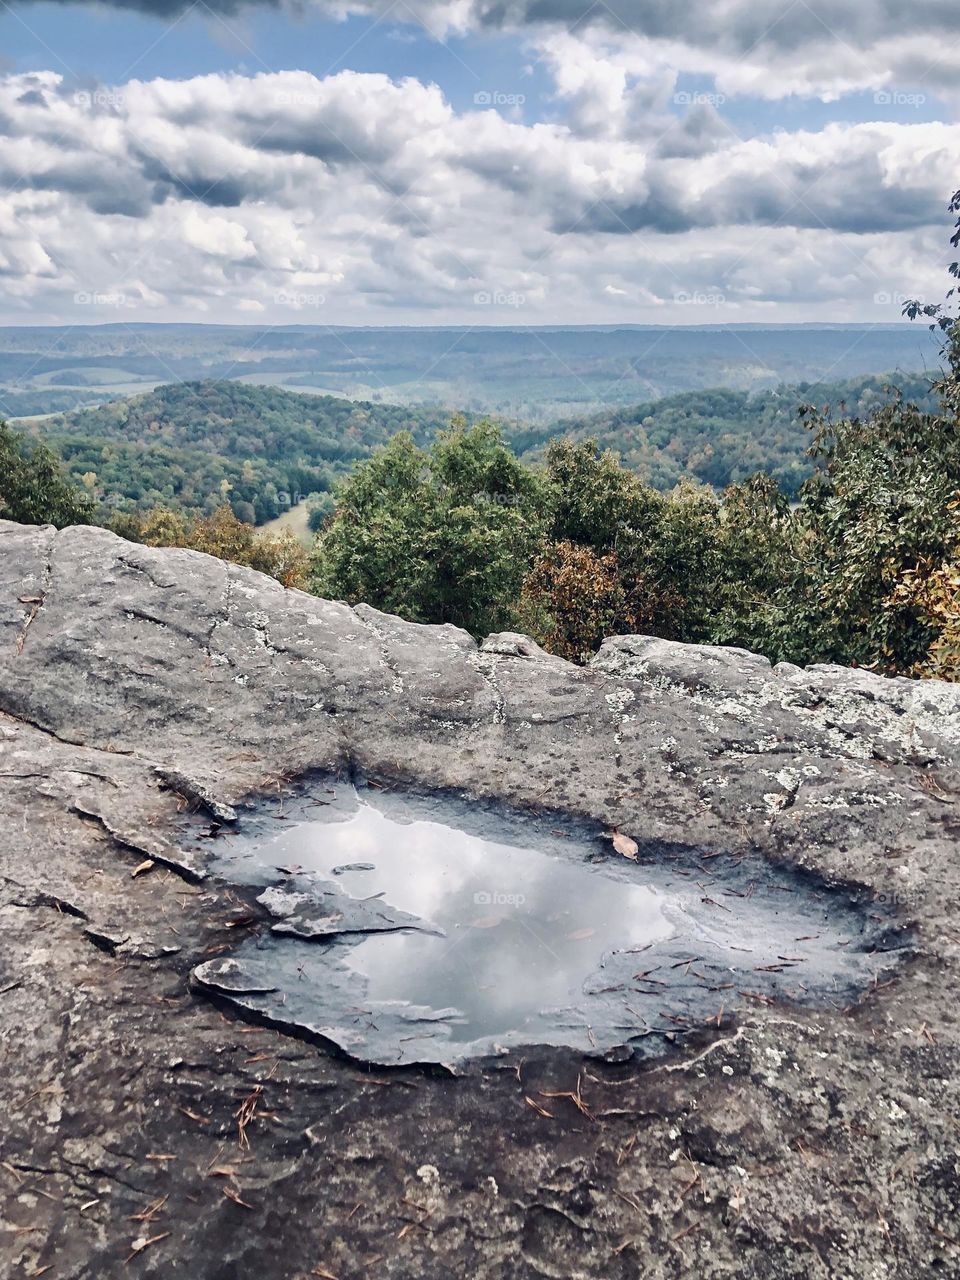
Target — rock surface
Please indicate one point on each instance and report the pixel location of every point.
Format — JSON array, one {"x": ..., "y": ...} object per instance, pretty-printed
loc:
[{"x": 142, "y": 1124}]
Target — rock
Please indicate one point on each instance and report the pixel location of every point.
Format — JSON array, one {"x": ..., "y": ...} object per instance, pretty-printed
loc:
[
  {"x": 513, "y": 645},
  {"x": 834, "y": 1155},
  {"x": 324, "y": 911},
  {"x": 231, "y": 976}
]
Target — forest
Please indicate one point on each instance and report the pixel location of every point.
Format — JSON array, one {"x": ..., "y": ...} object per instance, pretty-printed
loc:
[{"x": 194, "y": 446}]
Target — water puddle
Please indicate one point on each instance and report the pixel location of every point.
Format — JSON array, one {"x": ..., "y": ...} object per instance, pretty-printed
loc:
[{"x": 424, "y": 930}]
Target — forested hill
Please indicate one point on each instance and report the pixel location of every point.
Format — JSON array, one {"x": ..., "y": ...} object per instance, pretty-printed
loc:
[
  {"x": 192, "y": 445},
  {"x": 195, "y": 445},
  {"x": 723, "y": 436}
]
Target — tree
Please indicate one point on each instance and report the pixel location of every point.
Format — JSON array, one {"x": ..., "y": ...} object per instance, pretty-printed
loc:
[
  {"x": 33, "y": 488},
  {"x": 444, "y": 535},
  {"x": 163, "y": 528},
  {"x": 878, "y": 507},
  {"x": 573, "y": 598}
]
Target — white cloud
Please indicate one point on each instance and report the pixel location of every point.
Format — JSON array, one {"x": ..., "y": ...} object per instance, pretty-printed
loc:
[{"x": 359, "y": 199}]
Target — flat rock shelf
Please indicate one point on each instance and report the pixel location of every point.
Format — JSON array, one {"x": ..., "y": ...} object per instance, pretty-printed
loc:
[
  {"x": 805, "y": 1130},
  {"x": 423, "y": 929}
]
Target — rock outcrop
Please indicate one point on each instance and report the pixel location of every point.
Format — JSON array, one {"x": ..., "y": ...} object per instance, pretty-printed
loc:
[{"x": 142, "y": 1123}]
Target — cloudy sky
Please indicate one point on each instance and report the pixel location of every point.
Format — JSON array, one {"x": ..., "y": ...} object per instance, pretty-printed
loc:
[{"x": 475, "y": 161}]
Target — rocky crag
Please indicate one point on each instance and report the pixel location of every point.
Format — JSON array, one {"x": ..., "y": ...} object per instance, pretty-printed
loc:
[{"x": 149, "y": 1131}]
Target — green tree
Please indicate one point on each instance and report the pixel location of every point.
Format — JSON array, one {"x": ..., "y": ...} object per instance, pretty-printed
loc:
[
  {"x": 444, "y": 535},
  {"x": 33, "y": 488},
  {"x": 877, "y": 508}
]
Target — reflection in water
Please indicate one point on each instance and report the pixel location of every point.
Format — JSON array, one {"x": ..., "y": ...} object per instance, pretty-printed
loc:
[
  {"x": 541, "y": 926},
  {"x": 523, "y": 929}
]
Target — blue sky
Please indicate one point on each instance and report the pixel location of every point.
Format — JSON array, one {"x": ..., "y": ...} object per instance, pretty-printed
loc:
[
  {"x": 102, "y": 44},
  {"x": 96, "y": 43},
  {"x": 619, "y": 162}
]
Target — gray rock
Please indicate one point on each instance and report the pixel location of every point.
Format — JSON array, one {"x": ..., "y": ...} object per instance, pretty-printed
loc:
[
  {"x": 818, "y": 1143},
  {"x": 324, "y": 911}
]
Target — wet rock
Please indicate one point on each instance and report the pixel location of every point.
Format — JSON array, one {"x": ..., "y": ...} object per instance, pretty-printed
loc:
[
  {"x": 232, "y": 977},
  {"x": 324, "y": 911},
  {"x": 196, "y": 790}
]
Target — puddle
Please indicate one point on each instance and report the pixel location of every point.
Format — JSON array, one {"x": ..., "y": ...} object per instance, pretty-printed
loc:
[{"x": 423, "y": 930}]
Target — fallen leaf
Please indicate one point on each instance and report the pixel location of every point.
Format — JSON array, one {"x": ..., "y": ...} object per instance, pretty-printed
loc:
[
  {"x": 222, "y": 1171},
  {"x": 579, "y": 934},
  {"x": 141, "y": 1243},
  {"x": 486, "y": 922},
  {"x": 623, "y": 844},
  {"x": 232, "y": 1195},
  {"x": 31, "y": 600},
  {"x": 144, "y": 867}
]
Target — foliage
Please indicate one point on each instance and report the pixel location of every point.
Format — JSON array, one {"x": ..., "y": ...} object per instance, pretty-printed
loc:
[
  {"x": 221, "y": 534},
  {"x": 721, "y": 436},
  {"x": 572, "y": 598},
  {"x": 194, "y": 446},
  {"x": 443, "y": 535},
  {"x": 934, "y": 594},
  {"x": 33, "y": 488}
]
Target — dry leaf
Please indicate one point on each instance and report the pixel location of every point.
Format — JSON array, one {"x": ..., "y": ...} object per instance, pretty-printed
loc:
[
  {"x": 31, "y": 600},
  {"x": 141, "y": 1243},
  {"x": 232, "y": 1195},
  {"x": 579, "y": 934},
  {"x": 486, "y": 922},
  {"x": 148, "y": 865},
  {"x": 623, "y": 844}
]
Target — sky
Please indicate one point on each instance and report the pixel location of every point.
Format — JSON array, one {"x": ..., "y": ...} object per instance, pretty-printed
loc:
[{"x": 475, "y": 161}]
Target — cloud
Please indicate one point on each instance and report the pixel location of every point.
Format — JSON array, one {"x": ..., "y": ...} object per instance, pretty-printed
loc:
[
  {"x": 360, "y": 199},
  {"x": 769, "y": 48}
]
